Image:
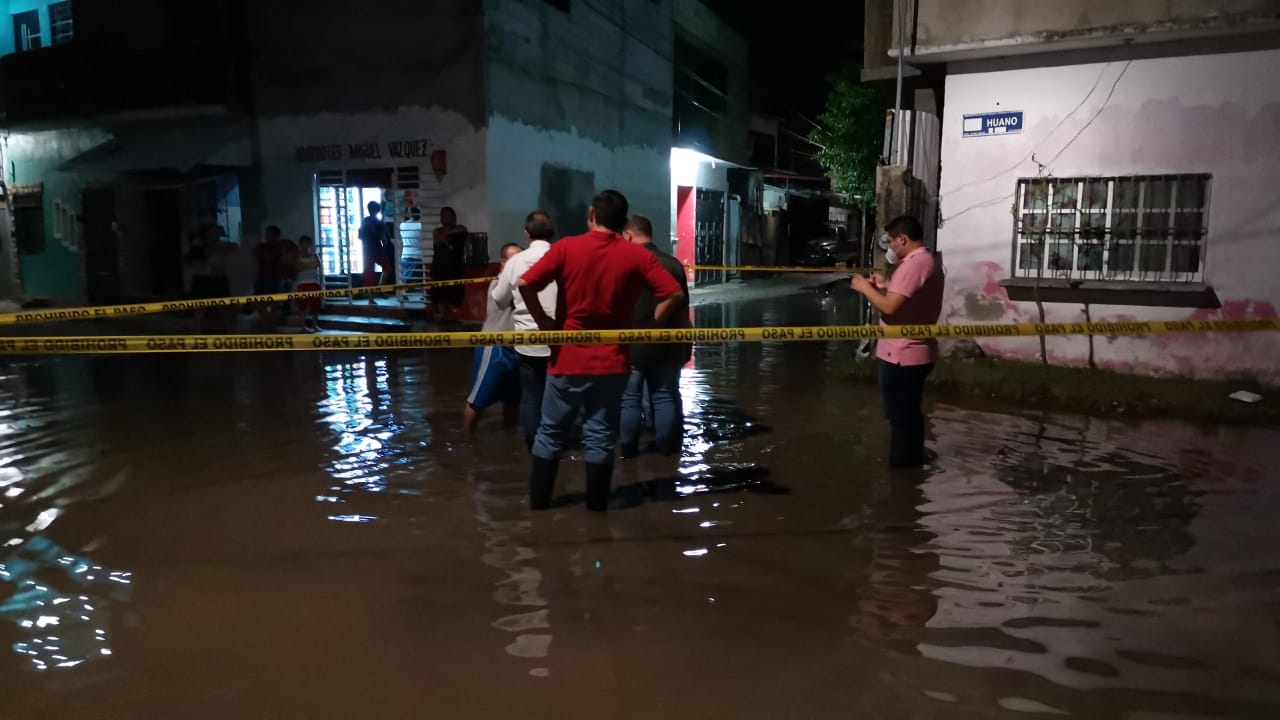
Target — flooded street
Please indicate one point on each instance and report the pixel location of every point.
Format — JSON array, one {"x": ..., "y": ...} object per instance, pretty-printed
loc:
[{"x": 311, "y": 536}]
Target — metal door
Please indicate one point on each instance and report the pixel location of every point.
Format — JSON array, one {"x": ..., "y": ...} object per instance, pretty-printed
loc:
[
  {"x": 708, "y": 237},
  {"x": 101, "y": 246}
]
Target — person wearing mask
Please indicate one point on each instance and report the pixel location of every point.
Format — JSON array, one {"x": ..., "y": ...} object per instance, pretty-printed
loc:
[
  {"x": 655, "y": 368},
  {"x": 538, "y": 232},
  {"x": 911, "y": 296},
  {"x": 600, "y": 277},
  {"x": 495, "y": 373},
  {"x": 448, "y": 263}
]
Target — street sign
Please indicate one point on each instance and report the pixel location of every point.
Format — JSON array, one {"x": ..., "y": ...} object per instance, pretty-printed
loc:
[{"x": 996, "y": 123}]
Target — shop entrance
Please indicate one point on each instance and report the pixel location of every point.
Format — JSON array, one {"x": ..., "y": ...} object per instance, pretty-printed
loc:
[{"x": 341, "y": 199}]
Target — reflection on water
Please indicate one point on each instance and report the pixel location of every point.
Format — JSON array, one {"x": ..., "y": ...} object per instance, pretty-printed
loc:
[
  {"x": 312, "y": 536},
  {"x": 61, "y": 602}
]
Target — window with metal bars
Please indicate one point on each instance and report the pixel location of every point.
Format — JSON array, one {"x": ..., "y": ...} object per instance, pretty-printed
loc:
[
  {"x": 61, "y": 24},
  {"x": 1143, "y": 228}
]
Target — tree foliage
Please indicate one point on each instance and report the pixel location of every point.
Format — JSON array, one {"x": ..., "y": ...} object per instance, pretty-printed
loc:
[{"x": 850, "y": 133}]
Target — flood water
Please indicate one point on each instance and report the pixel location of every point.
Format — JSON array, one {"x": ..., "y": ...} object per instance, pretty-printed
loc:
[{"x": 311, "y": 536}]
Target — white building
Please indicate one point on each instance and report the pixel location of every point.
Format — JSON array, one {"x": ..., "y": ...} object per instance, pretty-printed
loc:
[
  {"x": 494, "y": 108},
  {"x": 1116, "y": 163}
]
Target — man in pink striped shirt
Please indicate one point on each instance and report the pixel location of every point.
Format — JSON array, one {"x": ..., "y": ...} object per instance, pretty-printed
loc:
[{"x": 912, "y": 296}]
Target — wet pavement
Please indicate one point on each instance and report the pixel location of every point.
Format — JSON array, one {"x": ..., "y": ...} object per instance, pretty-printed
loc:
[{"x": 311, "y": 536}]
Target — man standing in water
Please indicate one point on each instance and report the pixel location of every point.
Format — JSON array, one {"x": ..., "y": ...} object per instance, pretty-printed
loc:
[
  {"x": 655, "y": 367},
  {"x": 495, "y": 373},
  {"x": 538, "y": 232},
  {"x": 912, "y": 296},
  {"x": 600, "y": 276}
]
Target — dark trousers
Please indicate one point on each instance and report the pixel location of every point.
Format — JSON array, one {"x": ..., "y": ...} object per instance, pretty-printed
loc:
[
  {"x": 378, "y": 256},
  {"x": 533, "y": 383},
  {"x": 902, "y": 392}
]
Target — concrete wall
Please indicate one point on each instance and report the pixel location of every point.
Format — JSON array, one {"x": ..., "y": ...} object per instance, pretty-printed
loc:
[
  {"x": 704, "y": 29},
  {"x": 948, "y": 25},
  {"x": 578, "y": 102},
  {"x": 1213, "y": 114},
  {"x": 288, "y": 180},
  {"x": 343, "y": 84},
  {"x": 57, "y": 273}
]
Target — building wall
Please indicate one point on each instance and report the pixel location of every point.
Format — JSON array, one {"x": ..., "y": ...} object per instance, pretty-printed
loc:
[
  {"x": 1214, "y": 114},
  {"x": 381, "y": 87},
  {"x": 55, "y": 274},
  {"x": 578, "y": 102},
  {"x": 951, "y": 24},
  {"x": 704, "y": 29}
]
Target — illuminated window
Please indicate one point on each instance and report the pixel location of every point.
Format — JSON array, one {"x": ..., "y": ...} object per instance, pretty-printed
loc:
[{"x": 1147, "y": 228}]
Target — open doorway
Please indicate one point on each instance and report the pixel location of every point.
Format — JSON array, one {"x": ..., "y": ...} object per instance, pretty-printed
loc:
[{"x": 341, "y": 200}]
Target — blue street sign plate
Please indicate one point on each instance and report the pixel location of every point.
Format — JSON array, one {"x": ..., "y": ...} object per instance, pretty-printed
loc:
[{"x": 996, "y": 123}]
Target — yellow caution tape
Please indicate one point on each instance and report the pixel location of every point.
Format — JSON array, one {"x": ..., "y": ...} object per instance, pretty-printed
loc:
[
  {"x": 782, "y": 269},
  {"x": 407, "y": 341},
  {"x": 98, "y": 312}
]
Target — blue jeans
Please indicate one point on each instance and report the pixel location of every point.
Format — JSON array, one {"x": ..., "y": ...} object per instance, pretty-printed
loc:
[
  {"x": 666, "y": 413},
  {"x": 902, "y": 392},
  {"x": 533, "y": 382},
  {"x": 598, "y": 398}
]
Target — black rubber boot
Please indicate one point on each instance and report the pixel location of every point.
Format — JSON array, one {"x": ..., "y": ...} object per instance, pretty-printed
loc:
[
  {"x": 599, "y": 480},
  {"x": 542, "y": 482}
]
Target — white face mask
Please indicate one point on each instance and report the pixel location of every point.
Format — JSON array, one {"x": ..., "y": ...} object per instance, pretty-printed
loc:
[{"x": 891, "y": 257}]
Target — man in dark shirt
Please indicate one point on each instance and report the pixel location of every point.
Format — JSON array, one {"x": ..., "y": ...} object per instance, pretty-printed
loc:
[
  {"x": 655, "y": 367},
  {"x": 600, "y": 277},
  {"x": 379, "y": 249}
]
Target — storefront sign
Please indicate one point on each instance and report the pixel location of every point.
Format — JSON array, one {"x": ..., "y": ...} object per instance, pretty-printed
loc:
[
  {"x": 392, "y": 149},
  {"x": 996, "y": 123}
]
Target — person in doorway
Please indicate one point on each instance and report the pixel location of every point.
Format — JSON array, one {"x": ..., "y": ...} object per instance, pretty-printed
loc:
[
  {"x": 269, "y": 281},
  {"x": 308, "y": 280},
  {"x": 447, "y": 263},
  {"x": 495, "y": 371},
  {"x": 538, "y": 232},
  {"x": 912, "y": 296},
  {"x": 377, "y": 247},
  {"x": 600, "y": 277},
  {"x": 655, "y": 368}
]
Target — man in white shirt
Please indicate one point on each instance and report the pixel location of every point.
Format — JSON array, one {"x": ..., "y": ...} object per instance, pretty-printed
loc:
[{"x": 538, "y": 231}]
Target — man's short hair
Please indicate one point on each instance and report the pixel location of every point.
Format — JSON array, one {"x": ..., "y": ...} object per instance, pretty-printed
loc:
[
  {"x": 539, "y": 226},
  {"x": 375, "y": 207},
  {"x": 611, "y": 210},
  {"x": 905, "y": 225},
  {"x": 503, "y": 251},
  {"x": 641, "y": 225},
  {"x": 274, "y": 230}
]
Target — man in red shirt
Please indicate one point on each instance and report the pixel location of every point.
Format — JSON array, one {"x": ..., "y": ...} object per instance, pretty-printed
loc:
[
  {"x": 912, "y": 296},
  {"x": 600, "y": 277}
]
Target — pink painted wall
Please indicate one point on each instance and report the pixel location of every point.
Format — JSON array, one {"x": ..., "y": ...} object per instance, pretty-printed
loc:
[
  {"x": 685, "y": 207},
  {"x": 1216, "y": 114}
]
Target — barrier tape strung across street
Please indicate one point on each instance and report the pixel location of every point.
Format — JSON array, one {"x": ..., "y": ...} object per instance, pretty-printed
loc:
[
  {"x": 105, "y": 345},
  {"x": 836, "y": 270},
  {"x": 99, "y": 312}
]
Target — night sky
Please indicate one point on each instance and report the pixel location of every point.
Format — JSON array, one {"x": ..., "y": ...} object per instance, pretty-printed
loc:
[{"x": 794, "y": 46}]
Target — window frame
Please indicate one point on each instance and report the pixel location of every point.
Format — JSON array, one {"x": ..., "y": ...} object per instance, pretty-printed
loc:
[{"x": 1041, "y": 225}]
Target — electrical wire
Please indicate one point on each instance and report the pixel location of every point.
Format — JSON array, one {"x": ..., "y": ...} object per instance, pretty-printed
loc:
[
  {"x": 1105, "y": 102},
  {"x": 1043, "y": 140}
]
